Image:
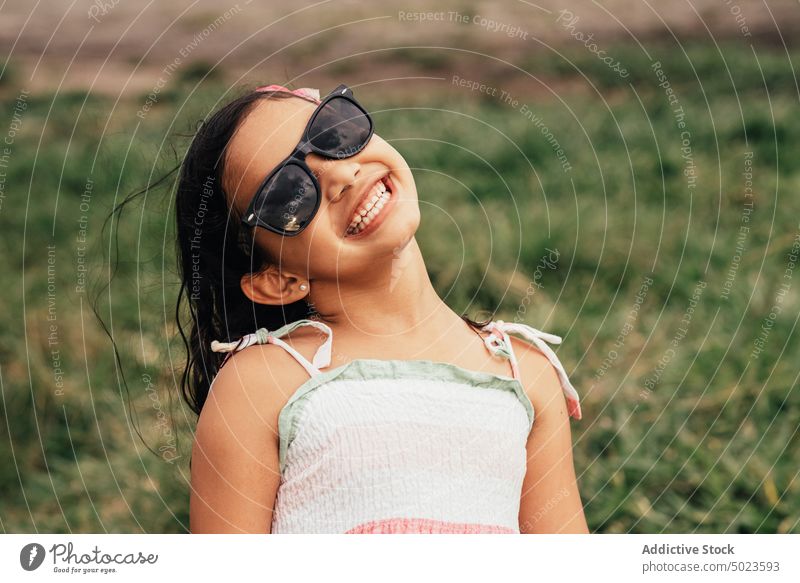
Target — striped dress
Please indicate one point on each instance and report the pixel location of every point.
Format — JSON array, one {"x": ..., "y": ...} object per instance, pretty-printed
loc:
[{"x": 404, "y": 446}]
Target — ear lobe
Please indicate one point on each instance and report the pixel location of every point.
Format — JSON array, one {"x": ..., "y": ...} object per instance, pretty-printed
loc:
[{"x": 271, "y": 287}]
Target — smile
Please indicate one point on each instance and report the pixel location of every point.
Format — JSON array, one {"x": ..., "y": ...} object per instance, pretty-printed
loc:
[{"x": 374, "y": 204}]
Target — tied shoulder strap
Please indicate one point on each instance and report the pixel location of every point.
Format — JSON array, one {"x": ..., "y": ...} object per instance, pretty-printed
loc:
[
  {"x": 498, "y": 342},
  {"x": 322, "y": 358}
]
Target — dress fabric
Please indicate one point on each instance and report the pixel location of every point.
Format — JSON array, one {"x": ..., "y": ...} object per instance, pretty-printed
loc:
[{"x": 404, "y": 446}]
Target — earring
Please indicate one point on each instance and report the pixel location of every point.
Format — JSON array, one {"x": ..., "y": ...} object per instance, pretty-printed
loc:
[{"x": 303, "y": 287}]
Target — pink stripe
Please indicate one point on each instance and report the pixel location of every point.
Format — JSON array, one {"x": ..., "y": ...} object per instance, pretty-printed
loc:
[
  {"x": 426, "y": 526},
  {"x": 574, "y": 408}
]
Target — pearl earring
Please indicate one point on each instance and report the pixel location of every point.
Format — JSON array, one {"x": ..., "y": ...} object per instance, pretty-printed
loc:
[{"x": 303, "y": 287}]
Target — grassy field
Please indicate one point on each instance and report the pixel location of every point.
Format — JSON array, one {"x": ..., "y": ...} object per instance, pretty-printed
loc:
[{"x": 659, "y": 238}]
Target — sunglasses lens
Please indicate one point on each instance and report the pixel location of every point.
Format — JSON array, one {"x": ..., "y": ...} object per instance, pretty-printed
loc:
[
  {"x": 340, "y": 128},
  {"x": 288, "y": 201}
]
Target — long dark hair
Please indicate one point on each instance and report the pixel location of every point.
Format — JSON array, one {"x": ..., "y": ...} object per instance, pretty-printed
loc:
[
  {"x": 214, "y": 251},
  {"x": 213, "y": 254}
]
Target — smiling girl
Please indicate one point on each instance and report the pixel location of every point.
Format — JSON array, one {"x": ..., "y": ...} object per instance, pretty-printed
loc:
[{"x": 346, "y": 395}]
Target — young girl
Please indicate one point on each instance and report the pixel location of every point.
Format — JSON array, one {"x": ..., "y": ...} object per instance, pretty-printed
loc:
[{"x": 347, "y": 397}]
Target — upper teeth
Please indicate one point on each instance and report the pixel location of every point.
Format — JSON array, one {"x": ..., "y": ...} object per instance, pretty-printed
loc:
[{"x": 373, "y": 204}]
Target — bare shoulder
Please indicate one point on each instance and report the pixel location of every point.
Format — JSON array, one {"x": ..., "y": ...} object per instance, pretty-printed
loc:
[
  {"x": 539, "y": 378},
  {"x": 255, "y": 384}
]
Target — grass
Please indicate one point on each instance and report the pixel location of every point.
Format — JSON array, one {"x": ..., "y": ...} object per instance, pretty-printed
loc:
[{"x": 706, "y": 448}]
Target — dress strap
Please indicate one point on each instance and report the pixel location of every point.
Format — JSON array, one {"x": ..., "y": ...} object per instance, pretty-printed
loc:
[
  {"x": 322, "y": 358},
  {"x": 498, "y": 342}
]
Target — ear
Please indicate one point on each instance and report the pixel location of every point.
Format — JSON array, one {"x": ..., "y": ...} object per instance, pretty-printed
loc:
[{"x": 272, "y": 287}]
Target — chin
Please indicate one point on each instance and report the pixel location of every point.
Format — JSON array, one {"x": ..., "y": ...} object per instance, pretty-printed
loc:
[{"x": 404, "y": 224}]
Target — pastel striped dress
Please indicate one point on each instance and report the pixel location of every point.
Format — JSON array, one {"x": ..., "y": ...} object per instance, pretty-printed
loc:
[{"x": 404, "y": 446}]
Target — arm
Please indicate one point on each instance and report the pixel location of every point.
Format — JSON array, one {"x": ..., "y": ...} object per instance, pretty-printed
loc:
[
  {"x": 550, "y": 501},
  {"x": 235, "y": 472}
]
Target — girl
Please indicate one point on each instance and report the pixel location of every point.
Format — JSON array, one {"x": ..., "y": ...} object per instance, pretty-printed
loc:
[{"x": 349, "y": 397}]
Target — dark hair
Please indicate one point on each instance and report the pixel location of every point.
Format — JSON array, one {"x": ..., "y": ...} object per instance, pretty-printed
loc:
[
  {"x": 213, "y": 254},
  {"x": 214, "y": 251}
]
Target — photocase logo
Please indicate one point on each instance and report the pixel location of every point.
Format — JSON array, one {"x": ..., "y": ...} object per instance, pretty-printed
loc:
[{"x": 31, "y": 556}]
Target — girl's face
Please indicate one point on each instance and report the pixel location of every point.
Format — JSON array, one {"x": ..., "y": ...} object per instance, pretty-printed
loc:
[{"x": 327, "y": 249}]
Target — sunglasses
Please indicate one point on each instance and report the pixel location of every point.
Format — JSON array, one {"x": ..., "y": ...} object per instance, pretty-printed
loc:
[{"x": 289, "y": 197}]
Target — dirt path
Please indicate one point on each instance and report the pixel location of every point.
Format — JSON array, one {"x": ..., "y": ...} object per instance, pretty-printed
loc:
[{"x": 116, "y": 46}]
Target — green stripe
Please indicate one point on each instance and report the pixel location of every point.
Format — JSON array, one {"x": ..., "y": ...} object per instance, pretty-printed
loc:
[{"x": 280, "y": 332}]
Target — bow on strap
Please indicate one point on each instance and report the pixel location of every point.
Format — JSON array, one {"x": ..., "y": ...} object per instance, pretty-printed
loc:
[
  {"x": 498, "y": 342},
  {"x": 322, "y": 358},
  {"x": 304, "y": 92}
]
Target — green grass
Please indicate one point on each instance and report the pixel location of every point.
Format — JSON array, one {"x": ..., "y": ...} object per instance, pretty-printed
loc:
[{"x": 707, "y": 449}]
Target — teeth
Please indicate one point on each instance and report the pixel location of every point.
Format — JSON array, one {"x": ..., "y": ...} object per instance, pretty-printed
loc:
[{"x": 370, "y": 209}]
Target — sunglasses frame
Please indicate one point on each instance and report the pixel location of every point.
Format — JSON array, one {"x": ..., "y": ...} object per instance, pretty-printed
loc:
[{"x": 298, "y": 157}]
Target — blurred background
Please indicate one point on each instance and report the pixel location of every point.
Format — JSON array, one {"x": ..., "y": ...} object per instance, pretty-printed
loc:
[{"x": 620, "y": 173}]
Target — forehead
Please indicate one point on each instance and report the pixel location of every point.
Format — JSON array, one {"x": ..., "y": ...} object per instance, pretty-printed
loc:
[{"x": 264, "y": 138}]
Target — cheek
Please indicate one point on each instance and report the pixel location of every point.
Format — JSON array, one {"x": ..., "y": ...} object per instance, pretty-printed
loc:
[
  {"x": 288, "y": 252},
  {"x": 323, "y": 255},
  {"x": 400, "y": 168},
  {"x": 389, "y": 152},
  {"x": 380, "y": 149},
  {"x": 320, "y": 243}
]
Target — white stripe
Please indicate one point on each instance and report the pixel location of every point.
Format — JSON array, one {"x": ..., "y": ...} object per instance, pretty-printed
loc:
[{"x": 403, "y": 448}]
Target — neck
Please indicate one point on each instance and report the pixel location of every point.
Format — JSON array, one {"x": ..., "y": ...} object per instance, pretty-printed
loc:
[{"x": 392, "y": 298}]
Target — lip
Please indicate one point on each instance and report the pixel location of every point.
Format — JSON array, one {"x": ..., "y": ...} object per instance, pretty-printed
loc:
[{"x": 375, "y": 223}]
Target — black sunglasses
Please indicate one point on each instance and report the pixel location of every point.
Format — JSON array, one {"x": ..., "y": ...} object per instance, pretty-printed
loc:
[{"x": 289, "y": 197}]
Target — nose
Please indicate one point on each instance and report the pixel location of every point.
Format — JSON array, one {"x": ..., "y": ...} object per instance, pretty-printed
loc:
[{"x": 334, "y": 176}]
